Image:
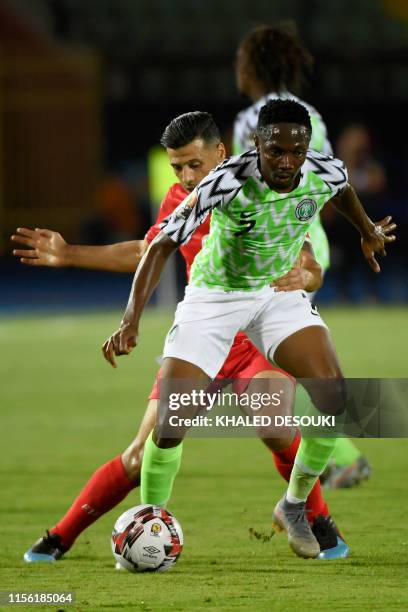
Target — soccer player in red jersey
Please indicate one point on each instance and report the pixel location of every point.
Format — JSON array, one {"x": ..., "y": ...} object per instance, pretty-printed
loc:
[{"x": 197, "y": 151}]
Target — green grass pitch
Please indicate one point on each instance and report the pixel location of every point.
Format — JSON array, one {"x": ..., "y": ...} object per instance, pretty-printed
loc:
[{"x": 64, "y": 412}]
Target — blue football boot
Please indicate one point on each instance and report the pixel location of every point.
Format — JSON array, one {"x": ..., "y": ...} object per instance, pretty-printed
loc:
[
  {"x": 332, "y": 544},
  {"x": 46, "y": 549}
]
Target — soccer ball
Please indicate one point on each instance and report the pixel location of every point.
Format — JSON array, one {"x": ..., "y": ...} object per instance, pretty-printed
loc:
[{"x": 147, "y": 538}]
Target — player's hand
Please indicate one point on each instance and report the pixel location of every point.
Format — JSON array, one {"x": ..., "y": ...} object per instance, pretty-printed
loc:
[
  {"x": 47, "y": 248},
  {"x": 122, "y": 342},
  {"x": 297, "y": 278},
  {"x": 375, "y": 242}
]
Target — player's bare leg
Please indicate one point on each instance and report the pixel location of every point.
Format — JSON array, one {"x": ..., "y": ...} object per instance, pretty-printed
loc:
[
  {"x": 132, "y": 456},
  {"x": 308, "y": 354},
  {"x": 287, "y": 436}
]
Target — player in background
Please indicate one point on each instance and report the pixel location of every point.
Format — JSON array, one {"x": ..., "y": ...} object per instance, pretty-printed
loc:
[
  {"x": 194, "y": 148},
  {"x": 280, "y": 187},
  {"x": 272, "y": 63}
]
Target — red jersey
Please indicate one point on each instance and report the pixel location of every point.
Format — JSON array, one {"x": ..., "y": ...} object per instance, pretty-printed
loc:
[{"x": 172, "y": 199}]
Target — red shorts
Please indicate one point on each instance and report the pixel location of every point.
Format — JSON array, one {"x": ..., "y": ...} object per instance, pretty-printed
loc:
[{"x": 243, "y": 362}]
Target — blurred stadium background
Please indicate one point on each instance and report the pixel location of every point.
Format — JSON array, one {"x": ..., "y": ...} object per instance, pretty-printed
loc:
[{"x": 87, "y": 87}]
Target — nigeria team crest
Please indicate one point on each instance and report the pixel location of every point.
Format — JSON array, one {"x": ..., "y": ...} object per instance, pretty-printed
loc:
[{"x": 305, "y": 209}]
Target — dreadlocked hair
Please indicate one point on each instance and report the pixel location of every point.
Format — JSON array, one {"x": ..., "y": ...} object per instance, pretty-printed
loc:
[{"x": 277, "y": 57}]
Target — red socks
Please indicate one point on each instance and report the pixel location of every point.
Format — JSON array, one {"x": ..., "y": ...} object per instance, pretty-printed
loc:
[
  {"x": 284, "y": 460},
  {"x": 108, "y": 485}
]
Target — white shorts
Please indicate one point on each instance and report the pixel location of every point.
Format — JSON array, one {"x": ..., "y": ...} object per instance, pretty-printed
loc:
[{"x": 207, "y": 320}]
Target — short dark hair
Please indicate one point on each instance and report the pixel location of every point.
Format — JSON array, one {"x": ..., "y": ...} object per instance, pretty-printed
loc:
[
  {"x": 282, "y": 111},
  {"x": 185, "y": 128},
  {"x": 277, "y": 56}
]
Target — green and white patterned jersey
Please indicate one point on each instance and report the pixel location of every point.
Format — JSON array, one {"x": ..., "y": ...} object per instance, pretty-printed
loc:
[
  {"x": 256, "y": 234},
  {"x": 243, "y": 140}
]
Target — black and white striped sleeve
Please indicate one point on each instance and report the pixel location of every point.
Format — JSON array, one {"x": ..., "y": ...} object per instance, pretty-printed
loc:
[
  {"x": 244, "y": 128},
  {"x": 219, "y": 187},
  {"x": 330, "y": 169}
]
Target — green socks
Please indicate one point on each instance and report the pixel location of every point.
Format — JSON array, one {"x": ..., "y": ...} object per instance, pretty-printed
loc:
[
  {"x": 159, "y": 469},
  {"x": 345, "y": 452},
  {"x": 311, "y": 459}
]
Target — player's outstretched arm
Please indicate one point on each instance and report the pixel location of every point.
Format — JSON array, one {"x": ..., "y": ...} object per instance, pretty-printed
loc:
[
  {"x": 48, "y": 248},
  {"x": 374, "y": 236},
  {"x": 145, "y": 281},
  {"x": 308, "y": 275}
]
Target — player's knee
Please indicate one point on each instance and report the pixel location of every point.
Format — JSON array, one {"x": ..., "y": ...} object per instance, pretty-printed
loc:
[
  {"x": 163, "y": 442},
  {"x": 328, "y": 395},
  {"x": 277, "y": 444}
]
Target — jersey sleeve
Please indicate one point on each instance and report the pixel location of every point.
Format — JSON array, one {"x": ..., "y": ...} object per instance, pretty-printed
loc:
[
  {"x": 320, "y": 140},
  {"x": 237, "y": 136},
  {"x": 331, "y": 170},
  {"x": 217, "y": 189},
  {"x": 243, "y": 133}
]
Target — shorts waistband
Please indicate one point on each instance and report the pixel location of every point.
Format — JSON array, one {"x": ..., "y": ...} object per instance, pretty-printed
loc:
[{"x": 192, "y": 290}]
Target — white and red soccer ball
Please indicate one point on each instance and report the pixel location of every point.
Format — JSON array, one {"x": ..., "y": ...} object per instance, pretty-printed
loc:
[{"x": 147, "y": 538}]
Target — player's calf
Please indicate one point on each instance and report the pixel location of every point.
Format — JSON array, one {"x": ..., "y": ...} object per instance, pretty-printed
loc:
[
  {"x": 329, "y": 395},
  {"x": 132, "y": 456},
  {"x": 132, "y": 462}
]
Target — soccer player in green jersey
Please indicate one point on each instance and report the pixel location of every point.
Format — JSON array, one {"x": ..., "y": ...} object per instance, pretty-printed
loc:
[
  {"x": 262, "y": 203},
  {"x": 194, "y": 148},
  {"x": 272, "y": 63}
]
